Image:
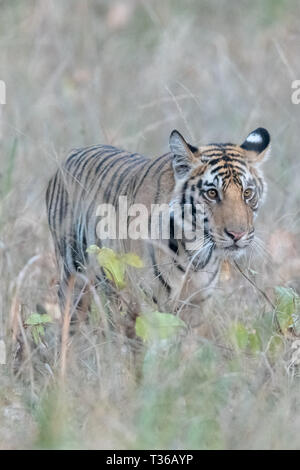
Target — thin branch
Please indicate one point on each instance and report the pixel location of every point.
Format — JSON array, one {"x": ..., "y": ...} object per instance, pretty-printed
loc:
[{"x": 262, "y": 293}]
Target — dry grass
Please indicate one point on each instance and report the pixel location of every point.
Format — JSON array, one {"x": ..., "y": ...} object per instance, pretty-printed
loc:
[{"x": 127, "y": 73}]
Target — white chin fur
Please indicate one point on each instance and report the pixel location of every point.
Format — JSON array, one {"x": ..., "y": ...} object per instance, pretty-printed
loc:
[{"x": 232, "y": 254}]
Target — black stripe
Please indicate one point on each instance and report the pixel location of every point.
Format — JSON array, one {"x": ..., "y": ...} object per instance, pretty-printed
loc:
[
  {"x": 88, "y": 159},
  {"x": 57, "y": 198},
  {"x": 221, "y": 167},
  {"x": 121, "y": 181},
  {"x": 78, "y": 156},
  {"x": 130, "y": 158},
  {"x": 148, "y": 170},
  {"x": 62, "y": 205},
  {"x": 53, "y": 187},
  {"x": 159, "y": 275},
  {"x": 108, "y": 157},
  {"x": 157, "y": 272},
  {"x": 103, "y": 157},
  {"x": 183, "y": 199},
  {"x": 236, "y": 158}
]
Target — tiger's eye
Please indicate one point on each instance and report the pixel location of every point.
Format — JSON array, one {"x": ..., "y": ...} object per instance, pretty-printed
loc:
[
  {"x": 212, "y": 193},
  {"x": 248, "y": 193}
]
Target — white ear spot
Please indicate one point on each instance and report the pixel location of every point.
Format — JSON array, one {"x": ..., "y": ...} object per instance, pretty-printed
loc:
[
  {"x": 257, "y": 141},
  {"x": 254, "y": 138}
]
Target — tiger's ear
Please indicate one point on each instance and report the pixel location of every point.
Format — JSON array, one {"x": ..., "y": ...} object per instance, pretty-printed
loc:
[
  {"x": 257, "y": 145},
  {"x": 183, "y": 155}
]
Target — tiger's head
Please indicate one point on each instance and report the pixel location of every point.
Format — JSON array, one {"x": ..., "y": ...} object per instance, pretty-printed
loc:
[{"x": 226, "y": 181}]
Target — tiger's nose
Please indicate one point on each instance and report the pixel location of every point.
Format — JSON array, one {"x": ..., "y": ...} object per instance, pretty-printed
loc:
[{"x": 236, "y": 236}]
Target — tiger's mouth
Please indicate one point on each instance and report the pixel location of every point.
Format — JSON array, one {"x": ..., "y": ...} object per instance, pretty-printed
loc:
[
  {"x": 232, "y": 247},
  {"x": 236, "y": 250},
  {"x": 236, "y": 246}
]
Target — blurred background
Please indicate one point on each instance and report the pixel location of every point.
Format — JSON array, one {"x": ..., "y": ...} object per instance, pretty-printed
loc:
[{"x": 127, "y": 72}]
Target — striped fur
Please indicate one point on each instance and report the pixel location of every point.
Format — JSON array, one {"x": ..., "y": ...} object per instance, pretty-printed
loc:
[{"x": 223, "y": 178}]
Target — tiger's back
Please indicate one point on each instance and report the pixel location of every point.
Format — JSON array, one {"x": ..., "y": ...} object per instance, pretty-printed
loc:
[{"x": 96, "y": 176}]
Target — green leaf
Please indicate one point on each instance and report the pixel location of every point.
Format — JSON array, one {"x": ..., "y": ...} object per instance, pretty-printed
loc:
[
  {"x": 156, "y": 325},
  {"x": 114, "y": 264},
  {"x": 93, "y": 249},
  {"x": 38, "y": 319},
  {"x": 287, "y": 307},
  {"x": 113, "y": 267},
  {"x": 37, "y": 332},
  {"x": 254, "y": 341},
  {"x": 276, "y": 347},
  {"x": 132, "y": 259},
  {"x": 243, "y": 338},
  {"x": 239, "y": 336}
]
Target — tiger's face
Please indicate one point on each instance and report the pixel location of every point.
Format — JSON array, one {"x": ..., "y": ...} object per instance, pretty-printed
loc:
[{"x": 226, "y": 181}]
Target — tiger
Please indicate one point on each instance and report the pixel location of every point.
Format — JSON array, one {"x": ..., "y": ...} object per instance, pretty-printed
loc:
[{"x": 224, "y": 180}]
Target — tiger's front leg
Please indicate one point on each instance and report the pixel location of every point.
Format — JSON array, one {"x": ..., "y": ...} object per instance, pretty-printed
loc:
[{"x": 192, "y": 291}]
